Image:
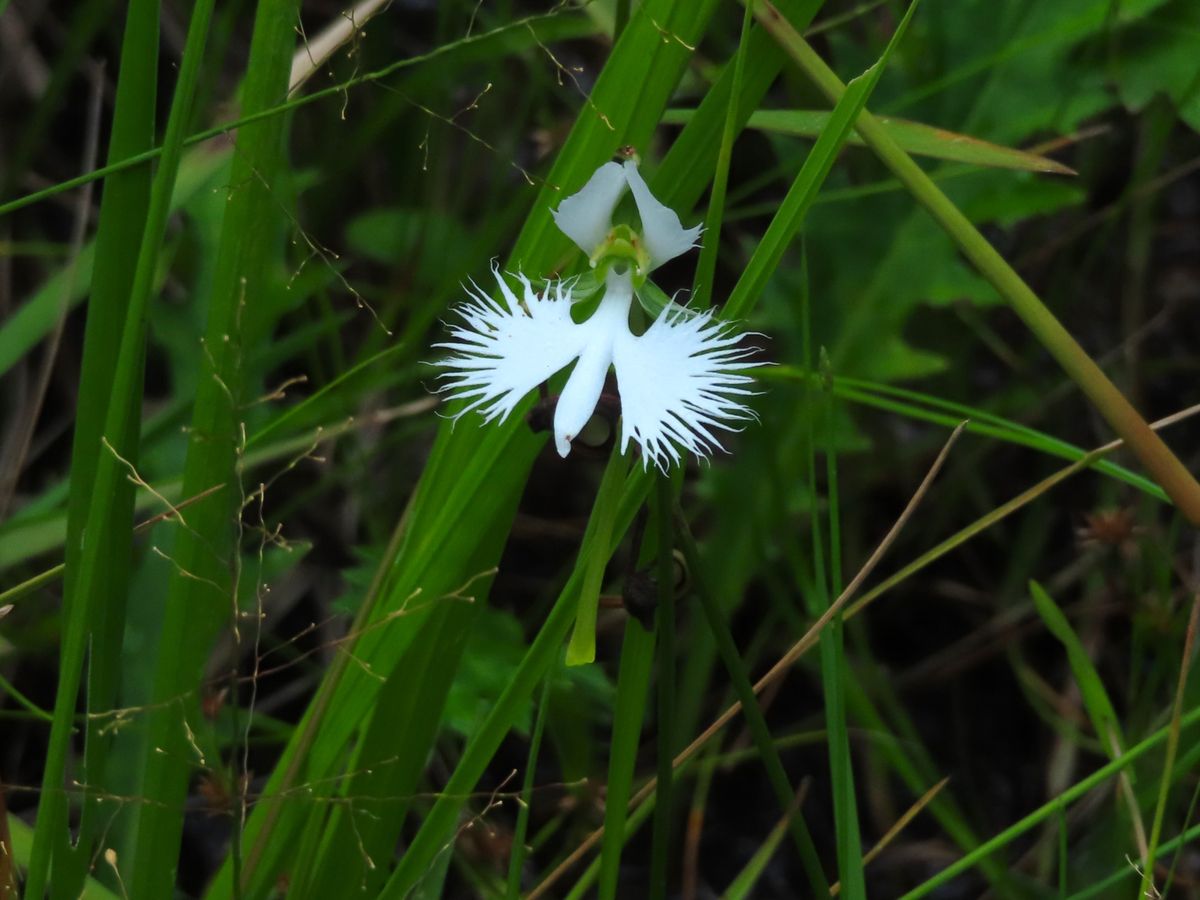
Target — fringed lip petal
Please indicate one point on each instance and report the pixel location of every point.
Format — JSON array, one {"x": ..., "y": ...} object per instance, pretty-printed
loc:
[
  {"x": 508, "y": 350},
  {"x": 679, "y": 381}
]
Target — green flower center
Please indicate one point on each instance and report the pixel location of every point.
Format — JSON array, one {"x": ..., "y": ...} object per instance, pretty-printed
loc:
[{"x": 622, "y": 247}]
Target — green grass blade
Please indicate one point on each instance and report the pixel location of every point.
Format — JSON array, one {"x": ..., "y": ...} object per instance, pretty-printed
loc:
[
  {"x": 1044, "y": 812},
  {"x": 800, "y": 196},
  {"x": 126, "y": 390},
  {"x": 832, "y": 652},
  {"x": 1148, "y": 887},
  {"x": 1099, "y": 707},
  {"x": 743, "y": 885},
  {"x": 750, "y": 709},
  {"x": 665, "y": 744},
  {"x": 516, "y": 860},
  {"x": 122, "y": 213},
  {"x": 205, "y": 555},
  {"x": 706, "y": 265},
  {"x": 913, "y": 137},
  {"x": 633, "y": 684},
  {"x": 22, "y": 845}
]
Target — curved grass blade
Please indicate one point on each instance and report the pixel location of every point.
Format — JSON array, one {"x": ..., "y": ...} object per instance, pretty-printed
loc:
[
  {"x": 800, "y": 196},
  {"x": 633, "y": 684},
  {"x": 1044, "y": 812},
  {"x": 916, "y": 138}
]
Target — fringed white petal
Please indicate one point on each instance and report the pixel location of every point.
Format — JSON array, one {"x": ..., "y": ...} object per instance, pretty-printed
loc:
[
  {"x": 586, "y": 217},
  {"x": 663, "y": 233},
  {"x": 679, "y": 382},
  {"x": 505, "y": 351}
]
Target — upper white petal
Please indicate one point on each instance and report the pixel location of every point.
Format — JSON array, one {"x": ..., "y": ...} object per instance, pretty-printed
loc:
[
  {"x": 663, "y": 233},
  {"x": 678, "y": 382},
  {"x": 505, "y": 351},
  {"x": 586, "y": 217}
]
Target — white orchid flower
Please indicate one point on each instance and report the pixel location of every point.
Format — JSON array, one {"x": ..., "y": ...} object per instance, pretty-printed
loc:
[{"x": 678, "y": 381}]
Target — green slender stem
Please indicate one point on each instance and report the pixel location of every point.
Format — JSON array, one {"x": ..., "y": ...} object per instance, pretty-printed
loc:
[
  {"x": 750, "y": 708},
  {"x": 633, "y": 682},
  {"x": 832, "y": 651},
  {"x": 1158, "y": 459},
  {"x": 666, "y": 689},
  {"x": 17, "y": 591},
  {"x": 1164, "y": 783},
  {"x": 516, "y": 861},
  {"x": 11, "y": 690}
]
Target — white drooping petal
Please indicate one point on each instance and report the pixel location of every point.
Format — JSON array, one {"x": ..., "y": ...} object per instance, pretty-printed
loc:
[
  {"x": 678, "y": 382},
  {"x": 662, "y": 232},
  {"x": 580, "y": 396},
  {"x": 586, "y": 217},
  {"x": 582, "y": 391},
  {"x": 506, "y": 351}
]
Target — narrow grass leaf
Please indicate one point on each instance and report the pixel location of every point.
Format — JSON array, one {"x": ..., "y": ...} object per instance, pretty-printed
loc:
[
  {"x": 122, "y": 213},
  {"x": 1044, "y": 812},
  {"x": 743, "y": 885},
  {"x": 750, "y": 709},
  {"x": 125, "y": 390},
  {"x": 1100, "y": 710},
  {"x": 807, "y": 184},
  {"x": 913, "y": 137},
  {"x": 633, "y": 684},
  {"x": 665, "y": 743},
  {"x": 516, "y": 859},
  {"x": 205, "y": 558}
]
